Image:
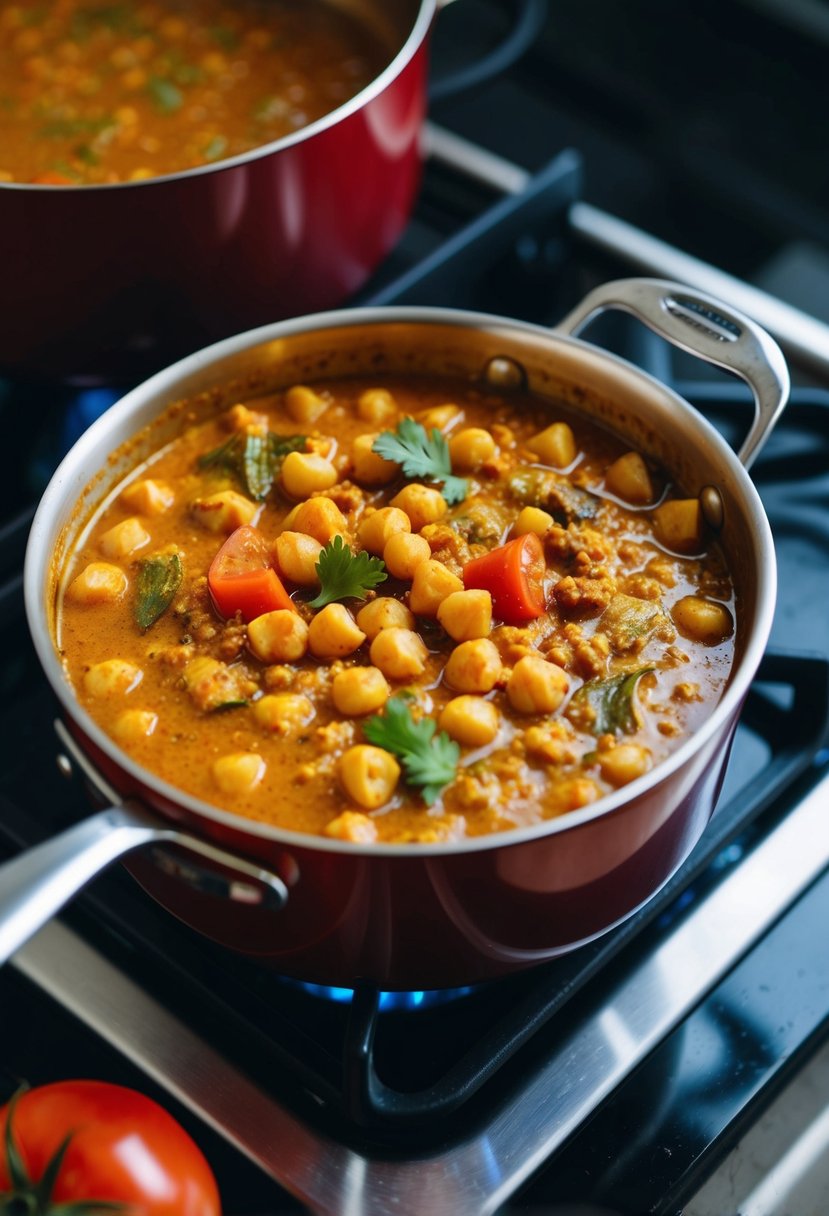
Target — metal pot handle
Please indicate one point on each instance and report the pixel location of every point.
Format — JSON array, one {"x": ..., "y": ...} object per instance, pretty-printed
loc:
[
  {"x": 36, "y": 885},
  {"x": 702, "y": 326},
  {"x": 528, "y": 22}
]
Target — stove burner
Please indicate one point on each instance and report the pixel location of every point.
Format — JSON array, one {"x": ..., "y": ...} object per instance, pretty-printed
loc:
[{"x": 397, "y": 1001}]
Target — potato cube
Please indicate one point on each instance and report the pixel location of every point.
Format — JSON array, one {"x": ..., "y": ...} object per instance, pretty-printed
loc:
[
  {"x": 555, "y": 445},
  {"x": 224, "y": 512},
  {"x": 629, "y": 479},
  {"x": 98, "y": 583},
  {"x": 678, "y": 525},
  {"x": 124, "y": 538},
  {"x": 148, "y": 497}
]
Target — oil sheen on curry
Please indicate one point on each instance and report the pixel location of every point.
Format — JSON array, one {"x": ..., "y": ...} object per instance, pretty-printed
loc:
[
  {"x": 100, "y": 91},
  {"x": 404, "y": 610}
]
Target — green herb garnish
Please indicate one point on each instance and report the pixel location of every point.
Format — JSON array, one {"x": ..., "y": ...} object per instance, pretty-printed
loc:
[
  {"x": 159, "y": 579},
  {"x": 429, "y": 760},
  {"x": 612, "y": 702},
  {"x": 345, "y": 575},
  {"x": 216, "y": 148},
  {"x": 421, "y": 455},
  {"x": 254, "y": 460},
  {"x": 164, "y": 95}
]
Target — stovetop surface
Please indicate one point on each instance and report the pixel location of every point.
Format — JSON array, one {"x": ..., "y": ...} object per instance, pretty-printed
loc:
[{"x": 644, "y": 1150}]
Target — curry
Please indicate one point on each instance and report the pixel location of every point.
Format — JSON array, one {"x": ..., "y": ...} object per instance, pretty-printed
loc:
[
  {"x": 98, "y": 91},
  {"x": 410, "y": 609}
]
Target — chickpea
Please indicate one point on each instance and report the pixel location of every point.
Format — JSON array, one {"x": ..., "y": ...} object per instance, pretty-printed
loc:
[
  {"x": 384, "y": 613},
  {"x": 432, "y": 584},
  {"x": 278, "y": 637},
  {"x": 532, "y": 519},
  {"x": 351, "y": 825},
  {"x": 628, "y": 478},
  {"x": 303, "y": 473},
  {"x": 224, "y": 512},
  {"x": 359, "y": 690},
  {"x": 148, "y": 497},
  {"x": 99, "y": 583},
  {"x": 377, "y": 405},
  {"x": 472, "y": 721},
  {"x": 303, "y": 404},
  {"x": 113, "y": 677},
  {"x": 238, "y": 772},
  {"x": 678, "y": 525},
  {"x": 333, "y": 633},
  {"x": 320, "y": 518},
  {"x": 399, "y": 653},
  {"x": 376, "y": 528},
  {"x": 422, "y": 504},
  {"x": 134, "y": 724},
  {"x": 466, "y": 614},
  {"x": 471, "y": 448},
  {"x": 297, "y": 555},
  {"x": 702, "y": 620},
  {"x": 536, "y": 686},
  {"x": 556, "y": 445},
  {"x": 369, "y": 775},
  {"x": 283, "y": 712},
  {"x": 369, "y": 468},
  {"x": 624, "y": 763},
  {"x": 404, "y": 553},
  {"x": 124, "y": 539},
  {"x": 474, "y": 666}
]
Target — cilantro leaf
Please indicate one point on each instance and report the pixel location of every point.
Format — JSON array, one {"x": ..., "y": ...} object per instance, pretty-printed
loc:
[
  {"x": 429, "y": 760},
  {"x": 345, "y": 575},
  {"x": 421, "y": 455},
  {"x": 254, "y": 460}
]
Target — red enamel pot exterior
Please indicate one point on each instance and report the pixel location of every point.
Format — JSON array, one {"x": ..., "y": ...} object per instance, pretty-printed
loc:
[
  {"x": 453, "y": 913},
  {"x": 110, "y": 283}
]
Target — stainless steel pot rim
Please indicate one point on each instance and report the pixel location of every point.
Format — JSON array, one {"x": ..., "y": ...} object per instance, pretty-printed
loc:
[
  {"x": 164, "y": 382},
  {"x": 377, "y": 86}
]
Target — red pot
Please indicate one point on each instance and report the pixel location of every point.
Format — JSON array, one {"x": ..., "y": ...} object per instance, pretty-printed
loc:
[
  {"x": 109, "y": 282},
  {"x": 416, "y": 916}
]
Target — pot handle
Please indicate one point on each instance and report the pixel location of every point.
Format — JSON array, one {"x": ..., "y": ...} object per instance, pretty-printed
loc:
[
  {"x": 530, "y": 16},
  {"x": 37, "y": 884},
  {"x": 702, "y": 326}
]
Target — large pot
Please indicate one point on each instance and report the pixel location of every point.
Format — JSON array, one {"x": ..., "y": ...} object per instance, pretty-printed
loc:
[
  {"x": 108, "y": 283},
  {"x": 416, "y": 916}
]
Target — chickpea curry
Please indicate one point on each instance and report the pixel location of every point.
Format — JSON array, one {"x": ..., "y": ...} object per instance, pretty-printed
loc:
[
  {"x": 410, "y": 609},
  {"x": 100, "y": 91}
]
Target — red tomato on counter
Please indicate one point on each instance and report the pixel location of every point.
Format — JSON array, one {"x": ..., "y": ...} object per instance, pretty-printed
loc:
[
  {"x": 122, "y": 1148},
  {"x": 242, "y": 579},
  {"x": 513, "y": 574}
]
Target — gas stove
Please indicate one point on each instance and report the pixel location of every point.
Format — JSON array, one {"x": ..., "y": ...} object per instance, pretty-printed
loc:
[{"x": 624, "y": 1077}]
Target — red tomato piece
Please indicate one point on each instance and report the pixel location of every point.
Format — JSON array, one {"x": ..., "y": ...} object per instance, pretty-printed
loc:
[
  {"x": 513, "y": 574},
  {"x": 123, "y": 1148},
  {"x": 242, "y": 579}
]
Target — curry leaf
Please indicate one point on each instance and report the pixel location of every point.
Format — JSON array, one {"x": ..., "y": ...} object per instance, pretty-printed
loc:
[
  {"x": 254, "y": 460},
  {"x": 159, "y": 579},
  {"x": 345, "y": 575},
  {"x": 421, "y": 455},
  {"x": 429, "y": 760},
  {"x": 164, "y": 95},
  {"x": 612, "y": 702}
]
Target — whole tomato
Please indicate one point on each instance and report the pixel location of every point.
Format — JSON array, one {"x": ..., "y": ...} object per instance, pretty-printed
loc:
[{"x": 102, "y": 1148}]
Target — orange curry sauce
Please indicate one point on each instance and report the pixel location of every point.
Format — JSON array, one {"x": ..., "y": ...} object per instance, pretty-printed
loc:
[
  {"x": 623, "y": 643},
  {"x": 101, "y": 91}
]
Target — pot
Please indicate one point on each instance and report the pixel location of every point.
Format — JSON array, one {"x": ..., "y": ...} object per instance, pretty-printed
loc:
[
  {"x": 108, "y": 283},
  {"x": 415, "y": 916}
]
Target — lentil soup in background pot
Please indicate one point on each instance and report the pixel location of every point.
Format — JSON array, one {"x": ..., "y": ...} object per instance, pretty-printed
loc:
[
  {"x": 174, "y": 172},
  {"x": 405, "y": 644}
]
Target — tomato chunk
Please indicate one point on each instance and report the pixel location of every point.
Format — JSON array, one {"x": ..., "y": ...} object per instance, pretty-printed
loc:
[
  {"x": 513, "y": 574},
  {"x": 242, "y": 579}
]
